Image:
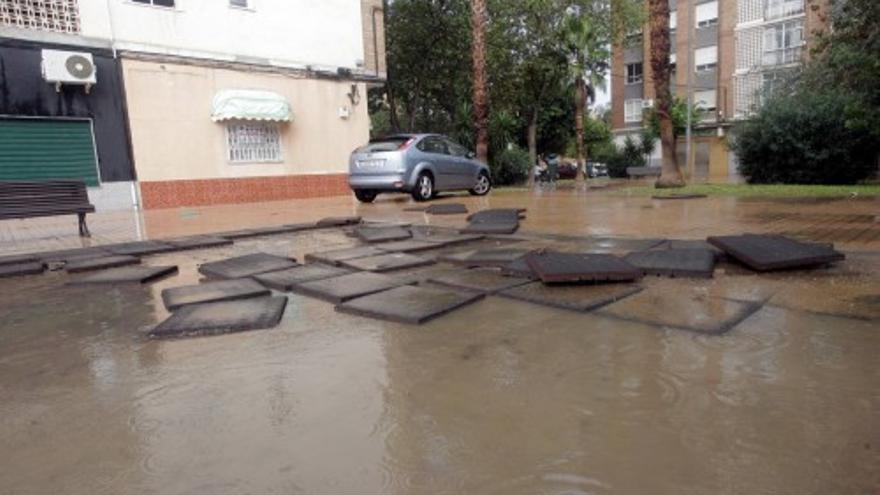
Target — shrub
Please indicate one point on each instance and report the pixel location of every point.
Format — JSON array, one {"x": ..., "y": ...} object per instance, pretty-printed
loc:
[
  {"x": 511, "y": 166},
  {"x": 804, "y": 138},
  {"x": 630, "y": 155}
]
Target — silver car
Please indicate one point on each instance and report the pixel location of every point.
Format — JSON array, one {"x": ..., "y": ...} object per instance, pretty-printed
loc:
[{"x": 419, "y": 164}]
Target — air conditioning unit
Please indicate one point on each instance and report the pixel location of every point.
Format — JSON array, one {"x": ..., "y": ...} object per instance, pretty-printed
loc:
[
  {"x": 647, "y": 104},
  {"x": 62, "y": 67}
]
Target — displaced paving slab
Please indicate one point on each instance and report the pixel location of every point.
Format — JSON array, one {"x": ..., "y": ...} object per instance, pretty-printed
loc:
[
  {"x": 67, "y": 255},
  {"x": 492, "y": 257},
  {"x": 690, "y": 244},
  {"x": 18, "y": 259},
  {"x": 697, "y": 263},
  {"x": 346, "y": 287},
  {"x": 337, "y": 221},
  {"x": 572, "y": 297},
  {"x": 519, "y": 268},
  {"x": 382, "y": 234},
  {"x": 408, "y": 246},
  {"x": 337, "y": 256},
  {"x": 198, "y": 242},
  {"x": 775, "y": 252},
  {"x": 89, "y": 264},
  {"x": 127, "y": 275},
  {"x": 387, "y": 262},
  {"x": 223, "y": 290},
  {"x": 140, "y": 248},
  {"x": 685, "y": 309},
  {"x": 21, "y": 269},
  {"x": 447, "y": 209},
  {"x": 679, "y": 196},
  {"x": 246, "y": 266},
  {"x": 284, "y": 280},
  {"x": 555, "y": 267},
  {"x": 416, "y": 209},
  {"x": 222, "y": 317},
  {"x": 445, "y": 237},
  {"x": 497, "y": 215},
  {"x": 493, "y": 228},
  {"x": 409, "y": 304},
  {"x": 482, "y": 280}
]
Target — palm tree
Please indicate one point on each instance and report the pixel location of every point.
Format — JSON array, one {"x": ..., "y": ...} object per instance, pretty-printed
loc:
[
  {"x": 587, "y": 45},
  {"x": 670, "y": 172},
  {"x": 481, "y": 96}
]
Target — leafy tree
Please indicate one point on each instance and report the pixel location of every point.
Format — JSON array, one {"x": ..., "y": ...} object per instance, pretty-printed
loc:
[{"x": 511, "y": 166}]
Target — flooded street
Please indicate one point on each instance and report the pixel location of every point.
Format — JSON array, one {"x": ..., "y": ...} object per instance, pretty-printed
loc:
[{"x": 500, "y": 397}]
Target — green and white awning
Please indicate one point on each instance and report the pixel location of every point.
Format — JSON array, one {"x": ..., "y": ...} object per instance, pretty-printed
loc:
[{"x": 250, "y": 104}]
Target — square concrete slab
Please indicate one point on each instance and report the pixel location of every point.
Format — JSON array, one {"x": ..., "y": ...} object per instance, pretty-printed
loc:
[
  {"x": 408, "y": 304},
  {"x": 223, "y": 290},
  {"x": 492, "y": 257},
  {"x": 447, "y": 209},
  {"x": 89, "y": 264},
  {"x": 198, "y": 242},
  {"x": 337, "y": 256},
  {"x": 493, "y": 228},
  {"x": 519, "y": 268},
  {"x": 337, "y": 221},
  {"x": 284, "y": 280},
  {"x": 128, "y": 274},
  {"x": 381, "y": 234},
  {"x": 246, "y": 266},
  {"x": 222, "y": 317},
  {"x": 572, "y": 297},
  {"x": 141, "y": 248},
  {"x": 484, "y": 281},
  {"x": 698, "y": 263},
  {"x": 387, "y": 262},
  {"x": 690, "y": 244},
  {"x": 408, "y": 246},
  {"x": 18, "y": 259},
  {"x": 774, "y": 252},
  {"x": 20, "y": 269},
  {"x": 553, "y": 266},
  {"x": 497, "y": 215},
  {"x": 684, "y": 309},
  {"x": 345, "y": 287},
  {"x": 66, "y": 255}
]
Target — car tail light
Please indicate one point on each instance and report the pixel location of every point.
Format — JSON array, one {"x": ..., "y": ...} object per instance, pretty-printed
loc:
[{"x": 407, "y": 144}]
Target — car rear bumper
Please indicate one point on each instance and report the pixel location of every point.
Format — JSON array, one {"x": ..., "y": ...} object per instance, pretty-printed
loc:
[{"x": 384, "y": 182}]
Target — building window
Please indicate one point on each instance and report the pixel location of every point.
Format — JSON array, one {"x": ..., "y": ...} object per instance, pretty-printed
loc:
[
  {"x": 61, "y": 16},
  {"x": 634, "y": 73},
  {"x": 253, "y": 143},
  {"x": 632, "y": 110},
  {"x": 777, "y": 9},
  {"x": 707, "y": 14},
  {"x": 783, "y": 43},
  {"x": 706, "y": 100},
  {"x": 706, "y": 59},
  {"x": 240, "y": 4},
  {"x": 673, "y": 21},
  {"x": 157, "y": 3}
]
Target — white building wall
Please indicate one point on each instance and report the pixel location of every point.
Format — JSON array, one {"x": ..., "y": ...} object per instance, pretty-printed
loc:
[{"x": 324, "y": 34}]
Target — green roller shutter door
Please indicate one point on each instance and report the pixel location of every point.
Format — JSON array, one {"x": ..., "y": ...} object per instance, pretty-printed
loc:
[{"x": 38, "y": 149}]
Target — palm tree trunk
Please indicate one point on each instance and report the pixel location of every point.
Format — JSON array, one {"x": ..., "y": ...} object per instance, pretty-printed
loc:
[
  {"x": 581, "y": 103},
  {"x": 670, "y": 173},
  {"x": 481, "y": 95}
]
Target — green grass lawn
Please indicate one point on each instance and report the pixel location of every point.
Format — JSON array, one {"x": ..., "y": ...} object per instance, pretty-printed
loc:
[{"x": 757, "y": 190}]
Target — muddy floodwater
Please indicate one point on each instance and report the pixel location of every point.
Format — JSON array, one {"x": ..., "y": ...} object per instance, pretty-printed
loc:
[{"x": 501, "y": 397}]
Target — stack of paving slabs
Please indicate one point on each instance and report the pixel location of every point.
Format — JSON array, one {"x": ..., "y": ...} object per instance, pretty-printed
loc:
[
  {"x": 494, "y": 221},
  {"x": 17, "y": 265},
  {"x": 764, "y": 253}
]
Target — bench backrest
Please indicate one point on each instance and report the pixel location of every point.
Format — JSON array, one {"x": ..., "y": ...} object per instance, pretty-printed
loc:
[{"x": 19, "y": 198}]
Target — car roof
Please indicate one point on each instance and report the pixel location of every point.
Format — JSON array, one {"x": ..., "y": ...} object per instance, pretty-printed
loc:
[{"x": 405, "y": 136}]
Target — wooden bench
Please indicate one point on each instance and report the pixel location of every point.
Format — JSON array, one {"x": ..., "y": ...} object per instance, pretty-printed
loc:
[
  {"x": 31, "y": 199},
  {"x": 643, "y": 171}
]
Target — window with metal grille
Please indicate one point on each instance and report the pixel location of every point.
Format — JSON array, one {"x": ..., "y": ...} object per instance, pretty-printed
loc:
[
  {"x": 253, "y": 143},
  {"x": 783, "y": 43},
  {"x": 48, "y": 15},
  {"x": 777, "y": 9},
  {"x": 634, "y": 73},
  {"x": 633, "y": 110}
]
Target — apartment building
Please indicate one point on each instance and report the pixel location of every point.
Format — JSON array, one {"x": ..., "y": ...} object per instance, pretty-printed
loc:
[
  {"x": 727, "y": 52},
  {"x": 189, "y": 102}
]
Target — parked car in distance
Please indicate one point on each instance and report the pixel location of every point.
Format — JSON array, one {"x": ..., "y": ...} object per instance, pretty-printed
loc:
[
  {"x": 418, "y": 164},
  {"x": 596, "y": 170}
]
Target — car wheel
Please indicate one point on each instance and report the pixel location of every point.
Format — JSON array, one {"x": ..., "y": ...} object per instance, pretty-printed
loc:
[
  {"x": 365, "y": 196},
  {"x": 424, "y": 189},
  {"x": 483, "y": 185}
]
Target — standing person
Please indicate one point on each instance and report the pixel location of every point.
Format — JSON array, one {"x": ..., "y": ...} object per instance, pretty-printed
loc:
[{"x": 552, "y": 167}]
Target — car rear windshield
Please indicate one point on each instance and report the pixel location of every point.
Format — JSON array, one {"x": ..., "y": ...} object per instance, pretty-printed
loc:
[{"x": 389, "y": 144}]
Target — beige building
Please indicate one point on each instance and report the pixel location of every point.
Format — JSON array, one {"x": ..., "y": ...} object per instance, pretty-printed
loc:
[{"x": 734, "y": 50}]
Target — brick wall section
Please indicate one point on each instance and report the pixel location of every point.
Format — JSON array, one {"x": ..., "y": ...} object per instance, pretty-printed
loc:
[
  {"x": 205, "y": 192},
  {"x": 371, "y": 11},
  {"x": 727, "y": 19}
]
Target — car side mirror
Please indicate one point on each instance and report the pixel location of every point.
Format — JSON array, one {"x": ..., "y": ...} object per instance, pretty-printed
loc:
[{"x": 471, "y": 155}]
